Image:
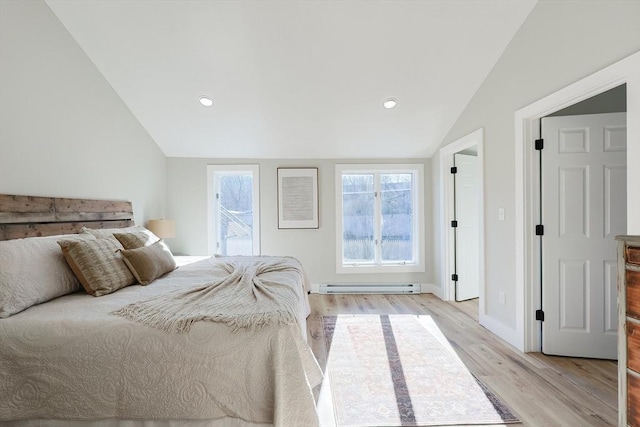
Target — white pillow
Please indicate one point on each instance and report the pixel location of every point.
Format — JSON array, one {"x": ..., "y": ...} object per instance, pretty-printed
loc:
[{"x": 33, "y": 271}]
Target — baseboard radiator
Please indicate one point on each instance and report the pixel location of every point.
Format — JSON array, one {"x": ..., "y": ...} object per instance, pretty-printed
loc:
[{"x": 370, "y": 288}]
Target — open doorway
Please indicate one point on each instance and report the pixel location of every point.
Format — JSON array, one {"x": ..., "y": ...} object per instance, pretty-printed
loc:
[{"x": 461, "y": 168}]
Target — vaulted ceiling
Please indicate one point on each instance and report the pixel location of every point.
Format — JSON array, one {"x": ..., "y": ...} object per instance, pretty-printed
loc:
[{"x": 294, "y": 79}]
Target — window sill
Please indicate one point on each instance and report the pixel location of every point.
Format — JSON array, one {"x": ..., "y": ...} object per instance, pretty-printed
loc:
[{"x": 369, "y": 269}]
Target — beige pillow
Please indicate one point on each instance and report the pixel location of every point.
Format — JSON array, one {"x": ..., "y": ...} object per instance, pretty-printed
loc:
[
  {"x": 33, "y": 271},
  {"x": 149, "y": 262},
  {"x": 97, "y": 265},
  {"x": 136, "y": 239}
]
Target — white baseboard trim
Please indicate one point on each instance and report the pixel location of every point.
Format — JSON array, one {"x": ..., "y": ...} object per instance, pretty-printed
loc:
[
  {"x": 430, "y": 288},
  {"x": 504, "y": 332}
]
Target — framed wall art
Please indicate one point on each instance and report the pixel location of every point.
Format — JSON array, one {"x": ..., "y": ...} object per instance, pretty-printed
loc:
[{"x": 298, "y": 198}]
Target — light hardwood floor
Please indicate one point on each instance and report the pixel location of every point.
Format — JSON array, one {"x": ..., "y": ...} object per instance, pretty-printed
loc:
[{"x": 541, "y": 390}]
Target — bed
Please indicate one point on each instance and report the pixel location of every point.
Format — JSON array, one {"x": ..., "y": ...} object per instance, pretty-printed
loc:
[{"x": 76, "y": 359}]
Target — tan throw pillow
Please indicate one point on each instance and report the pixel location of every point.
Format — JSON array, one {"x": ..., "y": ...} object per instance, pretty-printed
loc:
[
  {"x": 97, "y": 265},
  {"x": 149, "y": 262},
  {"x": 136, "y": 239}
]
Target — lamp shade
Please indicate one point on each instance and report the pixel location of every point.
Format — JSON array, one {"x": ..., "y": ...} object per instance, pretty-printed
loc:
[{"x": 162, "y": 228}]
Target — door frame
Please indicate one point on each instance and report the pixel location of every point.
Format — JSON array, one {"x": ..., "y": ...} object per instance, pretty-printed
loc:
[
  {"x": 527, "y": 127},
  {"x": 474, "y": 139}
]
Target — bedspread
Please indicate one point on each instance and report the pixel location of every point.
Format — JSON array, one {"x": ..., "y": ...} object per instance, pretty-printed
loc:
[{"x": 71, "y": 359}]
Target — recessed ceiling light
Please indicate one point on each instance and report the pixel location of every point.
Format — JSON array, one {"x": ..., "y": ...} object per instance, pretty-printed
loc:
[
  {"x": 390, "y": 103},
  {"x": 206, "y": 101}
]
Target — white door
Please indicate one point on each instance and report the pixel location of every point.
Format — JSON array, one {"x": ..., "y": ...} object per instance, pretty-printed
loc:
[
  {"x": 234, "y": 204},
  {"x": 583, "y": 208},
  {"x": 466, "y": 234}
]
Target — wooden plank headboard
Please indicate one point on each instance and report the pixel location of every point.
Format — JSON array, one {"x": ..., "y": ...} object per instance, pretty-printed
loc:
[{"x": 30, "y": 216}]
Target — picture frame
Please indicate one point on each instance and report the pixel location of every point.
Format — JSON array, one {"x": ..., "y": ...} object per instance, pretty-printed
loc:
[{"x": 297, "y": 198}]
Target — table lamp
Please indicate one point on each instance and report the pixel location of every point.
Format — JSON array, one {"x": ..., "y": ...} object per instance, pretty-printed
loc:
[{"x": 163, "y": 228}]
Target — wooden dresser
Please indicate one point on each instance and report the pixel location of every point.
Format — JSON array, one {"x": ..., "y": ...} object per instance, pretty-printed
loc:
[{"x": 629, "y": 331}]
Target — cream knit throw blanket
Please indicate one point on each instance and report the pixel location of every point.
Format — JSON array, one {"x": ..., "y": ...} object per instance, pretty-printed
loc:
[{"x": 243, "y": 299}]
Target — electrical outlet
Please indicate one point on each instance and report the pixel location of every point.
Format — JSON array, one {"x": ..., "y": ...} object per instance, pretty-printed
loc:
[
  {"x": 502, "y": 298},
  {"x": 501, "y": 214}
]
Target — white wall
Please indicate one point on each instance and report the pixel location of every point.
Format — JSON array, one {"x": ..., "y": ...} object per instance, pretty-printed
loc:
[
  {"x": 63, "y": 130},
  {"x": 187, "y": 205},
  {"x": 559, "y": 43}
]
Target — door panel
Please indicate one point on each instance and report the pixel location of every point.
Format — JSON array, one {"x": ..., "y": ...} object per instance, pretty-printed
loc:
[
  {"x": 572, "y": 202},
  {"x": 615, "y": 184},
  {"x": 574, "y": 294},
  {"x": 583, "y": 207},
  {"x": 611, "y": 297}
]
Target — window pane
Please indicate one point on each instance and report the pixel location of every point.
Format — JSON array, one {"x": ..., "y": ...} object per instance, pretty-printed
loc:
[
  {"x": 397, "y": 216},
  {"x": 357, "y": 218},
  {"x": 236, "y": 214}
]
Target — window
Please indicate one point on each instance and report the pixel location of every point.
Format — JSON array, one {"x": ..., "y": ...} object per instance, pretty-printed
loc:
[
  {"x": 233, "y": 213},
  {"x": 379, "y": 218}
]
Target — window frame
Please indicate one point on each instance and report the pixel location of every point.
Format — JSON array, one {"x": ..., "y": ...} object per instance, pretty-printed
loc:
[
  {"x": 212, "y": 218},
  {"x": 418, "y": 226}
]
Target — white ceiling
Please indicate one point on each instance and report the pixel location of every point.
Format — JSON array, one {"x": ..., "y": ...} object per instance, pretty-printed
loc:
[{"x": 294, "y": 79}]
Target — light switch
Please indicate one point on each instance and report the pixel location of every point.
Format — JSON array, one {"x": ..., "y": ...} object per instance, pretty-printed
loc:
[{"x": 501, "y": 214}]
